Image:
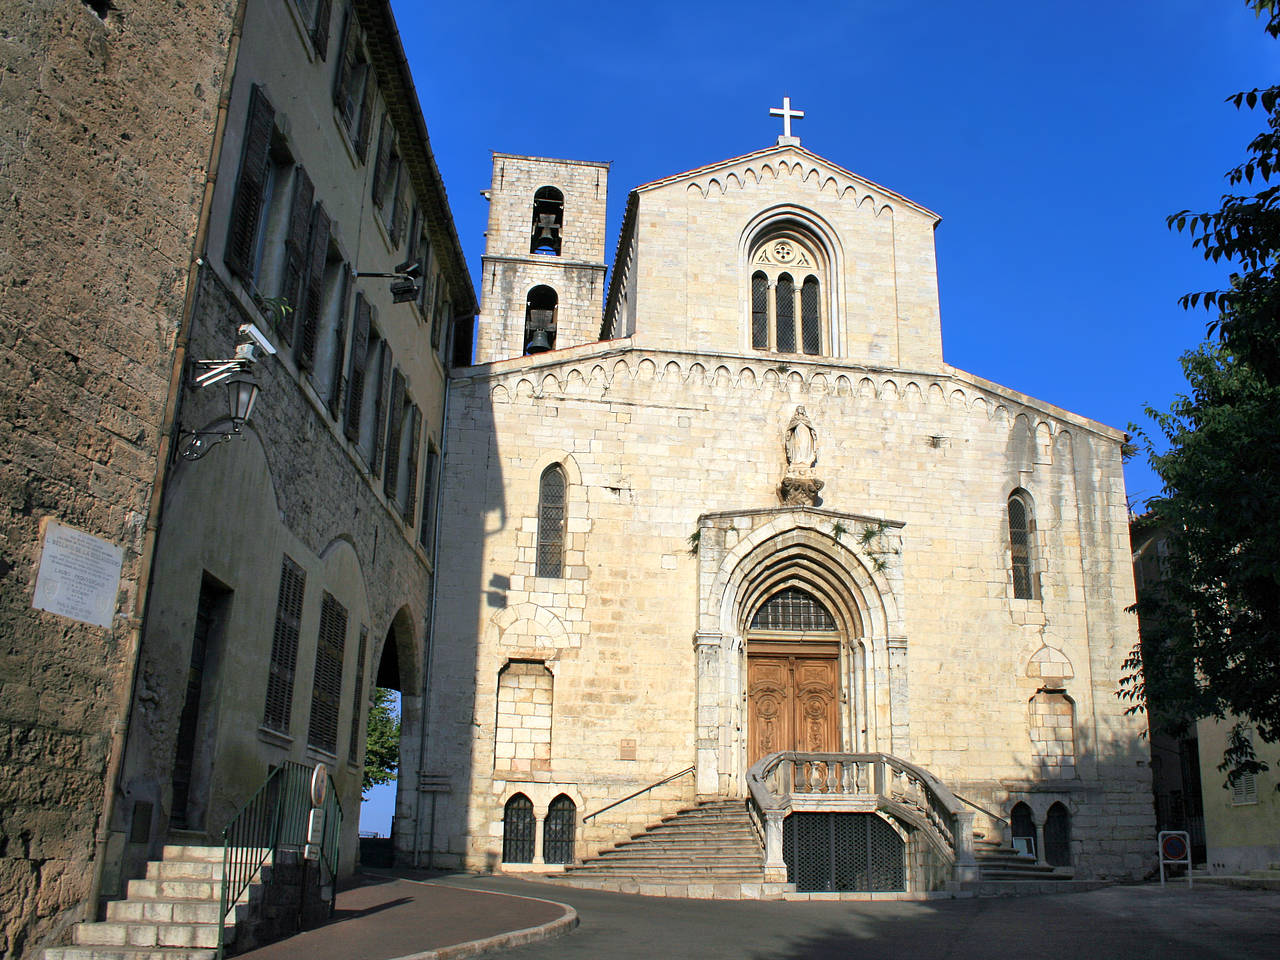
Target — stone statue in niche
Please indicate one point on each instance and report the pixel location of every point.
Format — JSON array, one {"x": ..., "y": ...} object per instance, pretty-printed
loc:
[{"x": 800, "y": 485}]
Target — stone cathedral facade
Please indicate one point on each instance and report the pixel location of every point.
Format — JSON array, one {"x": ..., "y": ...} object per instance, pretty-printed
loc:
[{"x": 748, "y": 511}]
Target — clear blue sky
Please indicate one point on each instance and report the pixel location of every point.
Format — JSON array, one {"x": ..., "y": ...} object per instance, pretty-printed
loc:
[{"x": 1052, "y": 139}]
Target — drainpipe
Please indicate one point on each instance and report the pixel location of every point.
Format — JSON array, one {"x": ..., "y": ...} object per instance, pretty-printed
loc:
[
  {"x": 155, "y": 509},
  {"x": 429, "y": 653}
]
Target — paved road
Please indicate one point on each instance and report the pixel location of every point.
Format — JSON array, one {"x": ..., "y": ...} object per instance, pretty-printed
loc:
[{"x": 1118, "y": 923}]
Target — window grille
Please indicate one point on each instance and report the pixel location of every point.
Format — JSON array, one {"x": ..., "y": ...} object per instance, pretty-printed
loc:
[
  {"x": 810, "y": 321},
  {"x": 786, "y": 342},
  {"x": 284, "y": 647},
  {"x": 793, "y": 609},
  {"x": 551, "y": 522},
  {"x": 1057, "y": 836},
  {"x": 1021, "y": 528},
  {"x": 325, "y": 693},
  {"x": 842, "y": 851},
  {"x": 517, "y": 830},
  {"x": 759, "y": 311},
  {"x": 558, "y": 831}
]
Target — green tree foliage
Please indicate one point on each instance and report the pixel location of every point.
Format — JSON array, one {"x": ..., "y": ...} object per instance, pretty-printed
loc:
[
  {"x": 382, "y": 742},
  {"x": 1211, "y": 644}
]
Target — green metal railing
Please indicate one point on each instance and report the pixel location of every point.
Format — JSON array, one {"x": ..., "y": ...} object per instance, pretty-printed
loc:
[{"x": 275, "y": 819}]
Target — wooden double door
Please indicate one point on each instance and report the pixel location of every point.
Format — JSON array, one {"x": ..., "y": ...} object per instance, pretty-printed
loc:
[{"x": 793, "y": 698}]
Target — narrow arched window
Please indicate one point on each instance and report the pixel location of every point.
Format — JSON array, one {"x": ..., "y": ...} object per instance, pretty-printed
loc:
[
  {"x": 1023, "y": 829},
  {"x": 1022, "y": 546},
  {"x": 810, "y": 321},
  {"x": 540, "y": 320},
  {"x": 548, "y": 221},
  {"x": 558, "y": 831},
  {"x": 786, "y": 338},
  {"x": 517, "y": 830},
  {"x": 1057, "y": 836},
  {"x": 551, "y": 491},
  {"x": 759, "y": 311}
]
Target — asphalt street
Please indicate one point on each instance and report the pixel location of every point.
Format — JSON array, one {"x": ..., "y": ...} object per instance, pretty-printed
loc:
[{"x": 1124, "y": 923}]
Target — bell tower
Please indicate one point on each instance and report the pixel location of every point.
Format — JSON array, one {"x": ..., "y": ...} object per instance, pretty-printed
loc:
[{"x": 543, "y": 282}]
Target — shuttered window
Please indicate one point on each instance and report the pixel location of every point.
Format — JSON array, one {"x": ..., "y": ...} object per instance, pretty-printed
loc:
[
  {"x": 311, "y": 304},
  {"x": 284, "y": 646},
  {"x": 382, "y": 400},
  {"x": 327, "y": 689},
  {"x": 409, "y": 494},
  {"x": 357, "y": 700},
  {"x": 427, "y": 525},
  {"x": 353, "y": 87},
  {"x": 251, "y": 184},
  {"x": 551, "y": 490},
  {"x": 395, "y": 431},
  {"x": 294, "y": 271},
  {"x": 355, "y": 374}
]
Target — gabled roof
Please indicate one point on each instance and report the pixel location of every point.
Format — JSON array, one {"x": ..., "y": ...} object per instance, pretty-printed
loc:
[{"x": 781, "y": 150}]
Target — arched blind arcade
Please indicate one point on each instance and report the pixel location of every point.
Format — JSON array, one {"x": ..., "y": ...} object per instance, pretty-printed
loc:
[{"x": 793, "y": 609}]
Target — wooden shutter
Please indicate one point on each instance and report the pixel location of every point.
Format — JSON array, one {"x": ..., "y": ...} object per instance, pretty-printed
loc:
[
  {"x": 382, "y": 167},
  {"x": 359, "y": 356},
  {"x": 400, "y": 212},
  {"x": 326, "y": 692},
  {"x": 343, "y": 95},
  {"x": 313, "y": 299},
  {"x": 353, "y": 745},
  {"x": 380, "y": 411},
  {"x": 366, "y": 116},
  {"x": 395, "y": 429},
  {"x": 415, "y": 435},
  {"x": 284, "y": 646},
  {"x": 339, "y": 346},
  {"x": 320, "y": 29},
  {"x": 295, "y": 252},
  {"x": 438, "y": 314},
  {"x": 246, "y": 207},
  {"x": 425, "y": 529}
]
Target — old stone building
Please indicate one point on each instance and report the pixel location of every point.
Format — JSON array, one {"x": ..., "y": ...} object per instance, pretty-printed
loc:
[
  {"x": 195, "y": 198},
  {"x": 746, "y": 534}
]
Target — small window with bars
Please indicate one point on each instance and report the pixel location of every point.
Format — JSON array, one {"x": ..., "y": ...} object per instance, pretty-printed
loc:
[
  {"x": 284, "y": 646},
  {"x": 327, "y": 689},
  {"x": 518, "y": 827},
  {"x": 793, "y": 609},
  {"x": 551, "y": 501},
  {"x": 1022, "y": 547}
]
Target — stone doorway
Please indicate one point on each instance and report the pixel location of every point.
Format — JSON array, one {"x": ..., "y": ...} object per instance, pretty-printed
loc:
[{"x": 793, "y": 697}]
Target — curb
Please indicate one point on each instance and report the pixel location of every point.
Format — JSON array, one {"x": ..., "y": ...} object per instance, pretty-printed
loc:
[{"x": 502, "y": 941}]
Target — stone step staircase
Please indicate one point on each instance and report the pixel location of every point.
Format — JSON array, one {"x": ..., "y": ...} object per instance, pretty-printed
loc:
[
  {"x": 708, "y": 850},
  {"x": 1004, "y": 872},
  {"x": 170, "y": 914}
]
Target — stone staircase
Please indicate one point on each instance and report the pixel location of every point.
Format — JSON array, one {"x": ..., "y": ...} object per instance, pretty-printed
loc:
[
  {"x": 171, "y": 914},
  {"x": 710, "y": 850}
]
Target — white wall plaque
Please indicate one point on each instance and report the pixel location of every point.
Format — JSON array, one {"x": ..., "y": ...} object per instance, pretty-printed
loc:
[{"x": 79, "y": 575}]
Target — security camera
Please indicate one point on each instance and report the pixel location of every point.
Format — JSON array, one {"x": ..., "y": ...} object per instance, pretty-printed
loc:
[
  {"x": 250, "y": 331},
  {"x": 410, "y": 268}
]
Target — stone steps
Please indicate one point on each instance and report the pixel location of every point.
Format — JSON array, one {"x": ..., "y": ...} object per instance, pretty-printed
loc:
[
  {"x": 172, "y": 914},
  {"x": 1000, "y": 864}
]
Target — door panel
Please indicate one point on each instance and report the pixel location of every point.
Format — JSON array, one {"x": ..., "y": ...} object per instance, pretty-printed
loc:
[{"x": 792, "y": 704}]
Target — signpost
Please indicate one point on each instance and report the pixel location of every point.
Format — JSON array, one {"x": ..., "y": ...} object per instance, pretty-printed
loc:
[{"x": 1175, "y": 848}]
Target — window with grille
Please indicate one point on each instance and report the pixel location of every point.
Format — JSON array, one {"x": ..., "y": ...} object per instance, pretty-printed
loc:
[
  {"x": 284, "y": 647},
  {"x": 1021, "y": 547},
  {"x": 558, "y": 830},
  {"x": 793, "y": 609},
  {"x": 779, "y": 324},
  {"x": 551, "y": 491},
  {"x": 327, "y": 689},
  {"x": 518, "y": 830},
  {"x": 842, "y": 851}
]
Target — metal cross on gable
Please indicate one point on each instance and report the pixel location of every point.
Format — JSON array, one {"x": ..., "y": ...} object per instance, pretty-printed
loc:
[{"x": 786, "y": 113}]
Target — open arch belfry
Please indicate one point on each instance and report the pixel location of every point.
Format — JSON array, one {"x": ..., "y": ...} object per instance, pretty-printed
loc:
[{"x": 787, "y": 595}]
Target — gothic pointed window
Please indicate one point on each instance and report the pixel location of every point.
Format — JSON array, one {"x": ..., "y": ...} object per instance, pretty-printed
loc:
[
  {"x": 1026, "y": 585},
  {"x": 551, "y": 491},
  {"x": 788, "y": 310},
  {"x": 540, "y": 320},
  {"x": 548, "y": 221}
]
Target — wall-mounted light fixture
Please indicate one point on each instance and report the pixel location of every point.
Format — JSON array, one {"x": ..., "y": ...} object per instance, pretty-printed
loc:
[
  {"x": 242, "y": 391},
  {"x": 407, "y": 281}
]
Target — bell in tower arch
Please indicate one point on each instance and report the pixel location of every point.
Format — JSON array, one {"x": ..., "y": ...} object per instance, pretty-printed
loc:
[{"x": 548, "y": 221}]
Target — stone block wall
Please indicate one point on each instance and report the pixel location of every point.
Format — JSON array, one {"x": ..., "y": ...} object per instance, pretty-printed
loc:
[{"x": 105, "y": 131}]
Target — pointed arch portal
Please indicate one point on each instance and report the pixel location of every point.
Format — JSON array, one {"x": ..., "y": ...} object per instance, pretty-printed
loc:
[{"x": 800, "y": 643}]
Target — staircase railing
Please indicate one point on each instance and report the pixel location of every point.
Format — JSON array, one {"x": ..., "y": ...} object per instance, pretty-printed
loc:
[
  {"x": 631, "y": 796},
  {"x": 275, "y": 818},
  {"x": 784, "y": 781}
]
